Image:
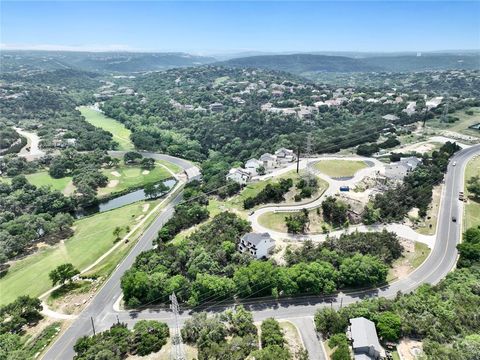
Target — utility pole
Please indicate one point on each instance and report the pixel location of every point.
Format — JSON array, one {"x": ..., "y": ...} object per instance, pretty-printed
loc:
[
  {"x": 298, "y": 159},
  {"x": 177, "y": 352},
  {"x": 308, "y": 154}
]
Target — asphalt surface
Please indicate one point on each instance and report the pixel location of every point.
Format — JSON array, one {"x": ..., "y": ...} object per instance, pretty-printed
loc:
[{"x": 441, "y": 260}]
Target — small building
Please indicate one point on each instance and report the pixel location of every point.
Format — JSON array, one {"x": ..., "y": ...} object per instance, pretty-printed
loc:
[
  {"x": 238, "y": 175},
  {"x": 285, "y": 155},
  {"x": 269, "y": 161},
  {"x": 364, "y": 339},
  {"x": 390, "y": 117},
  {"x": 398, "y": 170},
  {"x": 216, "y": 107},
  {"x": 252, "y": 166},
  {"x": 257, "y": 245}
]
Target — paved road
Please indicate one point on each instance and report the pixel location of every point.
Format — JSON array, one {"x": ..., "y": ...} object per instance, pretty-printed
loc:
[{"x": 442, "y": 259}]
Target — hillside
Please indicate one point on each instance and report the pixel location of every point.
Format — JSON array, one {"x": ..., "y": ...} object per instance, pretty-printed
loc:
[
  {"x": 308, "y": 63},
  {"x": 300, "y": 63},
  {"x": 97, "y": 61}
]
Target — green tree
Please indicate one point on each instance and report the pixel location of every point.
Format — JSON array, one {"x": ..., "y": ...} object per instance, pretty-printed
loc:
[
  {"x": 389, "y": 326},
  {"x": 363, "y": 270},
  {"x": 149, "y": 336},
  {"x": 473, "y": 186},
  {"x": 329, "y": 322},
  {"x": 63, "y": 273},
  {"x": 271, "y": 333},
  {"x": 154, "y": 190}
]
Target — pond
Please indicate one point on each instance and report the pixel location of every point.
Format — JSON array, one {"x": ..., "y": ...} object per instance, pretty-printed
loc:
[{"x": 119, "y": 201}]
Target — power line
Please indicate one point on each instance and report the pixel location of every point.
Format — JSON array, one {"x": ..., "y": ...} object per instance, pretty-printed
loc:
[{"x": 178, "y": 351}]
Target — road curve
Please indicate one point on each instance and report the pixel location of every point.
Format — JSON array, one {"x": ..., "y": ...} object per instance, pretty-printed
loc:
[
  {"x": 441, "y": 260},
  {"x": 111, "y": 291}
]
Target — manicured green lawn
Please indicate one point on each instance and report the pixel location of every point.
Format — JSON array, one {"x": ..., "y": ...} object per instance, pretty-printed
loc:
[
  {"x": 93, "y": 237},
  {"x": 120, "y": 133},
  {"x": 462, "y": 125},
  {"x": 131, "y": 176},
  {"x": 173, "y": 167},
  {"x": 42, "y": 178},
  {"x": 339, "y": 168},
  {"x": 472, "y": 208}
]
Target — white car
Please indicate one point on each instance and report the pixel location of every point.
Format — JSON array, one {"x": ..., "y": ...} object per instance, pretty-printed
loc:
[{"x": 454, "y": 163}]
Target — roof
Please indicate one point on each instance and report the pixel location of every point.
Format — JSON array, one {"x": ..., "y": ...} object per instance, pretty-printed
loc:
[
  {"x": 363, "y": 333},
  {"x": 362, "y": 357},
  {"x": 256, "y": 238},
  {"x": 267, "y": 156}
]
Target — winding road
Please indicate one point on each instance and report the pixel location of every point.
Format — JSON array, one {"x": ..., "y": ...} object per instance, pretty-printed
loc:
[{"x": 300, "y": 310}]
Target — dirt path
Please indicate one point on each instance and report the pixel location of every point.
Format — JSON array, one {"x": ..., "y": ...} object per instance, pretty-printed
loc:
[{"x": 32, "y": 150}]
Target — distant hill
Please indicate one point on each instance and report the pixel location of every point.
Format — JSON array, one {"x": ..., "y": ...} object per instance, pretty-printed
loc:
[
  {"x": 310, "y": 63},
  {"x": 123, "y": 62},
  {"x": 426, "y": 62},
  {"x": 300, "y": 63}
]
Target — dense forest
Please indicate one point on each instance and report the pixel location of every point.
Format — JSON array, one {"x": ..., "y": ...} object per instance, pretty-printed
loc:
[
  {"x": 442, "y": 316},
  {"x": 206, "y": 265}
]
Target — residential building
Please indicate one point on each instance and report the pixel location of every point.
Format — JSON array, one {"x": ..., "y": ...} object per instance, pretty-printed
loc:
[
  {"x": 216, "y": 107},
  {"x": 252, "y": 166},
  {"x": 238, "y": 175},
  {"x": 364, "y": 339},
  {"x": 390, "y": 117},
  {"x": 257, "y": 245},
  {"x": 269, "y": 161},
  {"x": 398, "y": 170},
  {"x": 285, "y": 155}
]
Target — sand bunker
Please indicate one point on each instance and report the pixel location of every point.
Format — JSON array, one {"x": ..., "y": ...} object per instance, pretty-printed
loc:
[
  {"x": 115, "y": 173},
  {"x": 112, "y": 183},
  {"x": 145, "y": 172},
  {"x": 145, "y": 207}
]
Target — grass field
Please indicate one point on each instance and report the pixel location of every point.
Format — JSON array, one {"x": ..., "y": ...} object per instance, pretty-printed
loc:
[
  {"x": 120, "y": 133},
  {"x": 93, "y": 237},
  {"x": 472, "y": 209},
  {"x": 42, "y": 178},
  {"x": 131, "y": 176},
  {"x": 460, "y": 126},
  {"x": 339, "y": 168}
]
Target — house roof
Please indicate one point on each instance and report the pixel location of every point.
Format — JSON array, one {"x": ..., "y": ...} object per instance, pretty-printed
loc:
[
  {"x": 256, "y": 238},
  {"x": 267, "y": 156},
  {"x": 364, "y": 334}
]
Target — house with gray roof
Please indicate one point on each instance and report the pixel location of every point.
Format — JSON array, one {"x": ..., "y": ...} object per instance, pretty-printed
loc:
[
  {"x": 364, "y": 338},
  {"x": 398, "y": 170},
  {"x": 257, "y": 245}
]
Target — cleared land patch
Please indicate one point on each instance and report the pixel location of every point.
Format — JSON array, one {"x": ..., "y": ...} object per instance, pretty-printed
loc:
[
  {"x": 276, "y": 221},
  {"x": 339, "y": 168},
  {"x": 120, "y": 133},
  {"x": 461, "y": 126}
]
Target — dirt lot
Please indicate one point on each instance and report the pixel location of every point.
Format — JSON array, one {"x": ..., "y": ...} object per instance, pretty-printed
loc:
[{"x": 409, "y": 349}]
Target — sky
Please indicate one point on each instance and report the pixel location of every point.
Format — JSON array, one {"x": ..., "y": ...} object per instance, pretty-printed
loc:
[{"x": 228, "y": 26}]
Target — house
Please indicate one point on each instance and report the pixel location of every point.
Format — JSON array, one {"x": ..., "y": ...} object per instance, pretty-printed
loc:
[
  {"x": 252, "y": 166},
  {"x": 364, "y": 339},
  {"x": 285, "y": 155},
  {"x": 216, "y": 107},
  {"x": 238, "y": 175},
  {"x": 390, "y": 117},
  {"x": 269, "y": 161},
  {"x": 398, "y": 170},
  {"x": 257, "y": 245}
]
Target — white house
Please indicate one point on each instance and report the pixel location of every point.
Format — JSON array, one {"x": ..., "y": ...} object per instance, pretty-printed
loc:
[
  {"x": 257, "y": 245},
  {"x": 285, "y": 155},
  {"x": 269, "y": 161},
  {"x": 238, "y": 175},
  {"x": 216, "y": 107},
  {"x": 252, "y": 165}
]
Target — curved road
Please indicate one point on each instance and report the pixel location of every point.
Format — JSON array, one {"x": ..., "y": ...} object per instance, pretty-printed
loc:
[{"x": 441, "y": 260}]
